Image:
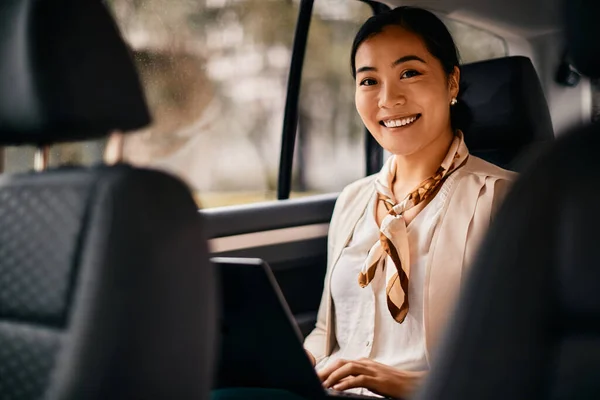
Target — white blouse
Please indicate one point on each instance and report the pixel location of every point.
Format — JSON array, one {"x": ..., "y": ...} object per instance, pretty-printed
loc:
[{"x": 364, "y": 326}]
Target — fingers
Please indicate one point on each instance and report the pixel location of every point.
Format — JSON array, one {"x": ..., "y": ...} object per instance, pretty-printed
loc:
[
  {"x": 376, "y": 377},
  {"x": 358, "y": 370},
  {"x": 352, "y": 382},
  {"x": 325, "y": 372}
]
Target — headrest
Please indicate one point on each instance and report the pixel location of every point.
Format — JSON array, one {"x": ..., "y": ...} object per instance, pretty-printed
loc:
[
  {"x": 506, "y": 107},
  {"x": 65, "y": 73},
  {"x": 582, "y": 31}
]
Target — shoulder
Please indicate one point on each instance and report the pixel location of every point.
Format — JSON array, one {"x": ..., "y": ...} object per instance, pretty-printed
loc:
[
  {"x": 355, "y": 193},
  {"x": 475, "y": 167},
  {"x": 353, "y": 199},
  {"x": 357, "y": 187},
  {"x": 484, "y": 183}
]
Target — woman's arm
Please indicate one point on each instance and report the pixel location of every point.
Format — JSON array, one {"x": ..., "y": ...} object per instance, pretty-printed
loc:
[{"x": 315, "y": 342}]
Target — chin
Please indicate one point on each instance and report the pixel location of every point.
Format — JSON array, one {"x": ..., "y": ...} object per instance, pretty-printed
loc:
[
  {"x": 402, "y": 149},
  {"x": 407, "y": 143}
]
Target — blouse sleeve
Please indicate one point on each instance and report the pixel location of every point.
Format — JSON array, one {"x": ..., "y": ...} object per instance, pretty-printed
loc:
[{"x": 316, "y": 341}]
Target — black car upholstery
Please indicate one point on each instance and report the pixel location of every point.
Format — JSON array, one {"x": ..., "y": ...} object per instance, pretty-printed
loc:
[{"x": 504, "y": 114}]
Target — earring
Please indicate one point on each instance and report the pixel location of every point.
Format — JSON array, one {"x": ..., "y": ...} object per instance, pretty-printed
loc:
[{"x": 453, "y": 101}]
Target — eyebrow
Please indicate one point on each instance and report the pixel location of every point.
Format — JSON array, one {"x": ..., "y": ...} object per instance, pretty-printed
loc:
[{"x": 394, "y": 64}]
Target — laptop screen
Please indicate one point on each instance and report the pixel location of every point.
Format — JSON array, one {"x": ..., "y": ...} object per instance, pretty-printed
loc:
[{"x": 261, "y": 345}]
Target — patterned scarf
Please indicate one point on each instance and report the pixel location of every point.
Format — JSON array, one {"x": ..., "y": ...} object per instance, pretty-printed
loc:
[{"x": 393, "y": 238}]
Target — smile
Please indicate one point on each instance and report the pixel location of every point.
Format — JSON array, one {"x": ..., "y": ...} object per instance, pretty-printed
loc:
[{"x": 399, "y": 122}]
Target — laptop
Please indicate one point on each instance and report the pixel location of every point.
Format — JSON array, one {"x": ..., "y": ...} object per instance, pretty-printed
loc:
[{"x": 261, "y": 344}]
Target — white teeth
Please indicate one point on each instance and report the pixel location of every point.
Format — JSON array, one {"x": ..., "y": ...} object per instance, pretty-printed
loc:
[{"x": 392, "y": 123}]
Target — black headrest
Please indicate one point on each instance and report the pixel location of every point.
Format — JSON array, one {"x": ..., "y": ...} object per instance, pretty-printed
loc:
[
  {"x": 582, "y": 31},
  {"x": 65, "y": 73},
  {"x": 506, "y": 109}
]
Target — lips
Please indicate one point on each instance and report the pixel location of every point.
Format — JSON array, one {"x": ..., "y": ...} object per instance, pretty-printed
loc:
[{"x": 400, "y": 122}]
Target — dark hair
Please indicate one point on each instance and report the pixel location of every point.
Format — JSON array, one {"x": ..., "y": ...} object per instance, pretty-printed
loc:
[{"x": 435, "y": 35}]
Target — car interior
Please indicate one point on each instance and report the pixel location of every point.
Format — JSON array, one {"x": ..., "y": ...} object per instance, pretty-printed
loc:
[{"x": 106, "y": 285}]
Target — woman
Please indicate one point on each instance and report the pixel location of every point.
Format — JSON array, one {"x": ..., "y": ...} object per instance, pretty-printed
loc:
[{"x": 399, "y": 241}]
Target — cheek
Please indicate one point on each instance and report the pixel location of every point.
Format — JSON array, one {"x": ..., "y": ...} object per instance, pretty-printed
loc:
[
  {"x": 430, "y": 92},
  {"x": 364, "y": 106},
  {"x": 360, "y": 105},
  {"x": 435, "y": 103}
]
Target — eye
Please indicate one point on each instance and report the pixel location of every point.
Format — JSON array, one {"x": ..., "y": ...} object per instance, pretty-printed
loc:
[
  {"x": 368, "y": 82},
  {"x": 411, "y": 73}
]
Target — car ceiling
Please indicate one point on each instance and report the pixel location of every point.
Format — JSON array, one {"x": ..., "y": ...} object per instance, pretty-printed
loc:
[{"x": 527, "y": 18}]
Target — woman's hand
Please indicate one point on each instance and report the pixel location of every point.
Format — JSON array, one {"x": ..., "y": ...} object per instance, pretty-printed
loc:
[{"x": 376, "y": 377}]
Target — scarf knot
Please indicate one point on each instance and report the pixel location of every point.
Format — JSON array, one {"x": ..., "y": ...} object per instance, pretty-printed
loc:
[{"x": 393, "y": 237}]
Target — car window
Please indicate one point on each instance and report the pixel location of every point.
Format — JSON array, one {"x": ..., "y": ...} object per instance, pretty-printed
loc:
[
  {"x": 330, "y": 145},
  {"x": 20, "y": 159},
  {"x": 475, "y": 44},
  {"x": 215, "y": 75}
]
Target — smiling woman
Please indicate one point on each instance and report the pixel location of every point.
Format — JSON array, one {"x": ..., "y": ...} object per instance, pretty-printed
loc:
[{"x": 400, "y": 240}]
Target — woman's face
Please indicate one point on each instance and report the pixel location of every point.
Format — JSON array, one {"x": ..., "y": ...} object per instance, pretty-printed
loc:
[{"x": 403, "y": 94}]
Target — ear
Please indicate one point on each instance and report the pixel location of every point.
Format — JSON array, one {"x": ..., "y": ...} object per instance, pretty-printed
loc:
[{"x": 454, "y": 83}]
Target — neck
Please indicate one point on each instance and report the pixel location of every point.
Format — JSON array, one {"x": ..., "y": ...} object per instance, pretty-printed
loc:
[{"x": 415, "y": 168}]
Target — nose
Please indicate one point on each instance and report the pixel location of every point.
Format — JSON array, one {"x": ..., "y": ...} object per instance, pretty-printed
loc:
[{"x": 391, "y": 96}]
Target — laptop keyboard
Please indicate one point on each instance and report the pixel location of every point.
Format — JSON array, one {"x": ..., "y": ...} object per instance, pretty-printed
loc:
[{"x": 347, "y": 395}]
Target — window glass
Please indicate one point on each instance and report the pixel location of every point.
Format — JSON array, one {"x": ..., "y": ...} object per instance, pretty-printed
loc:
[
  {"x": 215, "y": 74},
  {"x": 330, "y": 148},
  {"x": 215, "y": 77},
  {"x": 475, "y": 44},
  {"x": 20, "y": 158}
]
